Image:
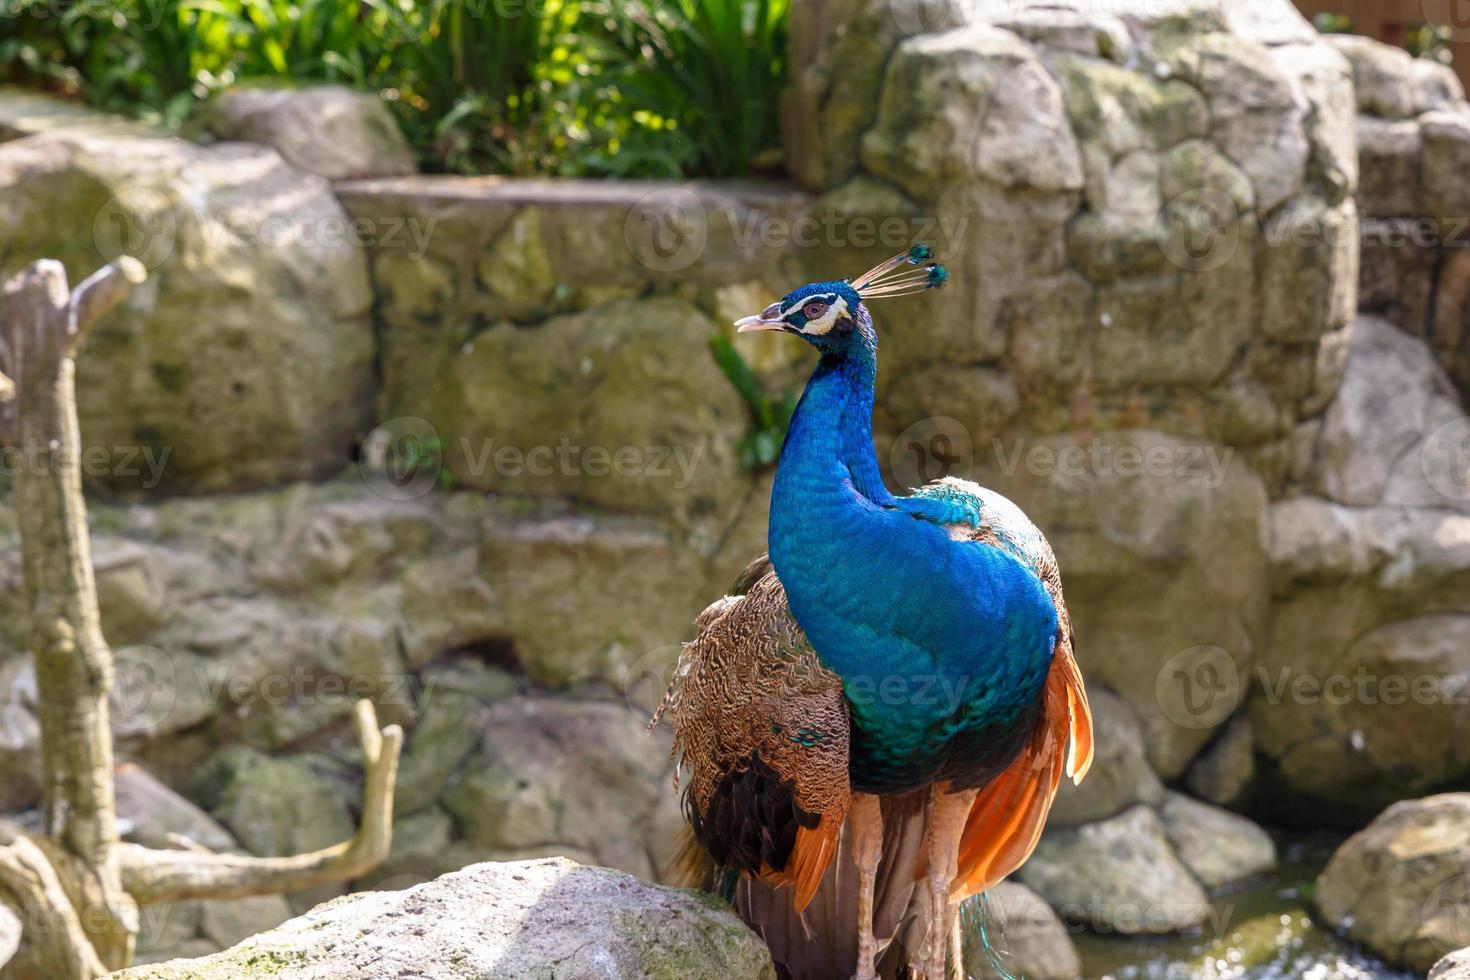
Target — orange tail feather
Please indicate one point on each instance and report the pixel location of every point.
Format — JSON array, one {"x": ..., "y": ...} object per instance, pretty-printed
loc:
[{"x": 1009, "y": 813}]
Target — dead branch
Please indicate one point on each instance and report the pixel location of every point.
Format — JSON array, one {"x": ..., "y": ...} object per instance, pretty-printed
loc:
[
  {"x": 58, "y": 946},
  {"x": 170, "y": 876},
  {"x": 9, "y": 933},
  {"x": 77, "y": 883},
  {"x": 100, "y": 292}
]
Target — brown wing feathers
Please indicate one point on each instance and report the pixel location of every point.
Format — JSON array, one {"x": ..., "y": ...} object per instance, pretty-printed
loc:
[{"x": 762, "y": 734}]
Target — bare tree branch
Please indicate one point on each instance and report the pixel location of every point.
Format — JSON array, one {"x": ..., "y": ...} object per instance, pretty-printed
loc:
[
  {"x": 169, "y": 876},
  {"x": 77, "y": 885},
  {"x": 10, "y": 927},
  {"x": 57, "y": 944},
  {"x": 100, "y": 292}
]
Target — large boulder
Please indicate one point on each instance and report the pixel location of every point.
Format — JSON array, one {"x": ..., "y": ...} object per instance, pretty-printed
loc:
[
  {"x": 530, "y": 920},
  {"x": 1355, "y": 699},
  {"x": 591, "y": 596},
  {"x": 1118, "y": 875},
  {"x": 1120, "y": 775},
  {"x": 1160, "y": 544},
  {"x": 247, "y": 358},
  {"x": 329, "y": 130},
  {"x": 1455, "y": 966},
  {"x": 1220, "y": 847},
  {"x": 1413, "y": 146},
  {"x": 1401, "y": 887},
  {"x": 1032, "y": 941},
  {"x": 568, "y": 777}
]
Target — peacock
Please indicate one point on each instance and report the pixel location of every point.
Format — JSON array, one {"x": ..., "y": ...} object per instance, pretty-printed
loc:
[{"x": 873, "y": 725}]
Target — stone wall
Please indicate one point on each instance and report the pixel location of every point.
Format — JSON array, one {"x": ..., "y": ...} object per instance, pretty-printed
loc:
[
  {"x": 534, "y": 471},
  {"x": 1414, "y": 145}
]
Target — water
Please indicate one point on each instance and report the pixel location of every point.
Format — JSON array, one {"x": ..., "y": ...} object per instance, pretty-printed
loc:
[{"x": 1265, "y": 929}]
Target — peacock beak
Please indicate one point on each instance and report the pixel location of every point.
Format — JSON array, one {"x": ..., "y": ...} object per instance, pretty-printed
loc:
[{"x": 767, "y": 319}]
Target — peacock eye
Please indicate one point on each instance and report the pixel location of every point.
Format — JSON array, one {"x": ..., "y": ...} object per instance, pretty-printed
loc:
[{"x": 814, "y": 311}]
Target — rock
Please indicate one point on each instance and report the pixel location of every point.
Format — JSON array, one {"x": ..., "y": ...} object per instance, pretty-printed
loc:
[
  {"x": 1220, "y": 847},
  {"x": 972, "y": 102},
  {"x": 1196, "y": 165},
  {"x": 1033, "y": 941},
  {"x": 517, "y": 272},
  {"x": 1160, "y": 542},
  {"x": 623, "y": 408},
  {"x": 1255, "y": 117},
  {"x": 1093, "y": 34},
  {"x": 450, "y": 729},
  {"x": 1400, "y": 887},
  {"x": 328, "y": 130},
  {"x": 24, "y": 113},
  {"x": 20, "y": 734},
  {"x": 344, "y": 541},
  {"x": 1455, "y": 966},
  {"x": 1436, "y": 86},
  {"x": 1383, "y": 75},
  {"x": 1118, "y": 875},
  {"x": 981, "y": 399},
  {"x": 227, "y": 922},
  {"x": 1315, "y": 247},
  {"x": 153, "y": 815},
  {"x": 1121, "y": 110},
  {"x": 1225, "y": 770},
  {"x": 1446, "y": 159},
  {"x": 1325, "y": 79},
  {"x": 1390, "y": 154},
  {"x": 579, "y": 777},
  {"x": 1362, "y": 722},
  {"x": 1449, "y": 333},
  {"x": 473, "y": 923},
  {"x": 130, "y": 591},
  {"x": 1392, "y": 396},
  {"x": 447, "y": 605},
  {"x": 244, "y": 264},
  {"x": 1121, "y": 775},
  {"x": 570, "y": 584},
  {"x": 1397, "y": 281},
  {"x": 277, "y": 805}
]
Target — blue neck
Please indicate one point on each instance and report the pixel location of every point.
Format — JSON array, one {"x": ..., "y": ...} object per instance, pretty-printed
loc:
[
  {"x": 830, "y": 441},
  {"x": 828, "y": 502}
]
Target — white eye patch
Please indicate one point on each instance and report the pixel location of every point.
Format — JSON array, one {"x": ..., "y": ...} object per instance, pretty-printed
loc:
[{"x": 820, "y": 326}]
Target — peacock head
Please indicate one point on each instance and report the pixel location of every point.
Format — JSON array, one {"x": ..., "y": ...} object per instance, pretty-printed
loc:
[{"x": 832, "y": 317}]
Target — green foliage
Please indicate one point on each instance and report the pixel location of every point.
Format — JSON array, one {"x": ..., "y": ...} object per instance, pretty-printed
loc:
[
  {"x": 709, "y": 71},
  {"x": 647, "y": 88},
  {"x": 1333, "y": 23},
  {"x": 1431, "y": 41},
  {"x": 770, "y": 415}
]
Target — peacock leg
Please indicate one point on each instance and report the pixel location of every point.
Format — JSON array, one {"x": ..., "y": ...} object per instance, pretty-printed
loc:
[
  {"x": 865, "y": 817},
  {"x": 956, "y": 949},
  {"x": 947, "y": 815}
]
